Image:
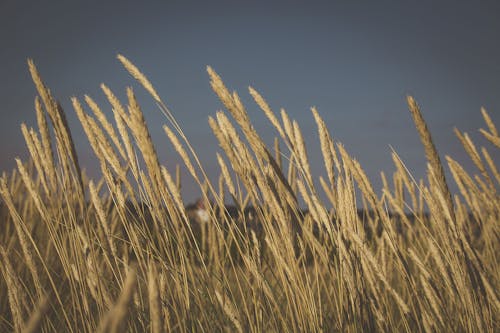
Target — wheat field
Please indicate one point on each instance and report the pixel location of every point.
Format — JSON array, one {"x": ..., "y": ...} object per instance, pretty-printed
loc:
[{"x": 277, "y": 252}]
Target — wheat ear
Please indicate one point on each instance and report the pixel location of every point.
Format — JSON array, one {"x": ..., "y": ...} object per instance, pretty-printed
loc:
[{"x": 431, "y": 152}]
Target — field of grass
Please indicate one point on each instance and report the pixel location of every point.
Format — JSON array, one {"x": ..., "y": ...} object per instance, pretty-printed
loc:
[{"x": 122, "y": 253}]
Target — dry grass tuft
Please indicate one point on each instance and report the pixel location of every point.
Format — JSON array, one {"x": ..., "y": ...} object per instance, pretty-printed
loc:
[{"x": 124, "y": 253}]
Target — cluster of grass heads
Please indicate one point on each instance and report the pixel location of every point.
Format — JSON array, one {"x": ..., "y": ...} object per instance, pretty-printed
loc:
[{"x": 121, "y": 253}]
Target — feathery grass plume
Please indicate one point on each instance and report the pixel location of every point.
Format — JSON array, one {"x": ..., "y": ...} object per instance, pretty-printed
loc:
[
  {"x": 287, "y": 125},
  {"x": 226, "y": 98},
  {"x": 83, "y": 117},
  {"x": 137, "y": 74},
  {"x": 103, "y": 145},
  {"x": 46, "y": 143},
  {"x": 103, "y": 150},
  {"x": 302, "y": 154},
  {"x": 403, "y": 172},
  {"x": 181, "y": 151},
  {"x": 233, "y": 104},
  {"x": 446, "y": 217},
  {"x": 47, "y": 99},
  {"x": 241, "y": 151},
  {"x": 327, "y": 148},
  {"x": 43, "y": 161},
  {"x": 399, "y": 190},
  {"x": 56, "y": 115},
  {"x": 226, "y": 176},
  {"x": 105, "y": 124},
  {"x": 35, "y": 156},
  {"x": 117, "y": 107},
  {"x": 32, "y": 189},
  {"x": 491, "y": 164},
  {"x": 96, "y": 201},
  {"x": 36, "y": 318},
  {"x": 22, "y": 233},
  {"x": 308, "y": 200},
  {"x": 261, "y": 102},
  {"x": 143, "y": 138},
  {"x": 471, "y": 150},
  {"x": 69, "y": 146},
  {"x": 121, "y": 172},
  {"x": 15, "y": 293},
  {"x": 65, "y": 144},
  {"x": 230, "y": 311},
  {"x": 466, "y": 185},
  {"x": 494, "y": 139},
  {"x": 224, "y": 142},
  {"x": 240, "y": 107},
  {"x": 489, "y": 122},
  {"x": 131, "y": 156},
  {"x": 362, "y": 180},
  {"x": 330, "y": 194},
  {"x": 175, "y": 192},
  {"x": 431, "y": 152},
  {"x": 484, "y": 187}
]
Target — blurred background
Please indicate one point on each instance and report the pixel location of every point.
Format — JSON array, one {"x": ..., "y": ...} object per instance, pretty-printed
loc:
[{"x": 356, "y": 63}]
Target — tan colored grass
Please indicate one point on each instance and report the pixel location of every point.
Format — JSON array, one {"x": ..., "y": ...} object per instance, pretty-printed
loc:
[
  {"x": 471, "y": 150},
  {"x": 48, "y": 155},
  {"x": 230, "y": 311},
  {"x": 31, "y": 187},
  {"x": 489, "y": 122},
  {"x": 491, "y": 164},
  {"x": 430, "y": 151},
  {"x": 327, "y": 147},
  {"x": 105, "y": 123},
  {"x": 114, "y": 320},
  {"x": 22, "y": 234},
  {"x": 96, "y": 201},
  {"x": 137, "y": 74},
  {"x": 180, "y": 149},
  {"x": 14, "y": 292},
  {"x": 491, "y": 136},
  {"x": 302, "y": 153},
  {"x": 226, "y": 176},
  {"x": 267, "y": 111},
  {"x": 33, "y": 147},
  {"x": 415, "y": 261},
  {"x": 36, "y": 318},
  {"x": 155, "y": 308}
]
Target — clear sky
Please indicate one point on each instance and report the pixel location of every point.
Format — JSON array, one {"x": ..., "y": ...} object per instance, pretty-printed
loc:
[{"x": 356, "y": 63}]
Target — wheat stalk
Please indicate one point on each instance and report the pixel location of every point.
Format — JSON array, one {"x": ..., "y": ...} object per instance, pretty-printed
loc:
[{"x": 431, "y": 152}]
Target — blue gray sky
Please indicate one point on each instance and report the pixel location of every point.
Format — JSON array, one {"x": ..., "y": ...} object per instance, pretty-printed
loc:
[{"x": 355, "y": 62}]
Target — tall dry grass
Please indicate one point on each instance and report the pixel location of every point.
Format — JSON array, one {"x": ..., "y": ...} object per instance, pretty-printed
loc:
[{"x": 124, "y": 253}]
